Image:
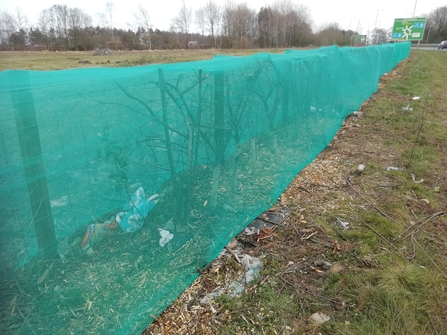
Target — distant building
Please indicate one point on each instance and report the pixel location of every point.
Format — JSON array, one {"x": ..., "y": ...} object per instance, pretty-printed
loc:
[{"x": 193, "y": 45}]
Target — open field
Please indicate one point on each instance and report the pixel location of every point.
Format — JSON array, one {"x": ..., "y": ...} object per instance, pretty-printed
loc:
[
  {"x": 385, "y": 272},
  {"x": 45, "y": 60}
]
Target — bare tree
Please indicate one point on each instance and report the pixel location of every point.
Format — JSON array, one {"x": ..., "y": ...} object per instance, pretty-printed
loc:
[
  {"x": 208, "y": 17},
  {"x": 64, "y": 28},
  {"x": 13, "y": 25},
  {"x": 200, "y": 20},
  {"x": 77, "y": 21},
  {"x": 182, "y": 21},
  {"x": 44, "y": 23},
  {"x": 438, "y": 21},
  {"x": 58, "y": 22},
  {"x": 16, "y": 20},
  {"x": 239, "y": 24},
  {"x": 379, "y": 36},
  {"x": 329, "y": 35},
  {"x": 142, "y": 19},
  {"x": 290, "y": 22},
  {"x": 110, "y": 8},
  {"x": 264, "y": 27},
  {"x": 106, "y": 18}
]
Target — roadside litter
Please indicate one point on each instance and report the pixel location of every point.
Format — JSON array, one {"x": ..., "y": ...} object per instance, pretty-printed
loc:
[
  {"x": 417, "y": 181},
  {"x": 252, "y": 267},
  {"x": 393, "y": 168},
  {"x": 344, "y": 224},
  {"x": 319, "y": 318},
  {"x": 407, "y": 108},
  {"x": 361, "y": 168},
  {"x": 166, "y": 236}
]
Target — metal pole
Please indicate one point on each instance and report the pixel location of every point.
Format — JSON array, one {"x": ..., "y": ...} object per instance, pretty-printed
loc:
[
  {"x": 414, "y": 10},
  {"x": 375, "y": 24},
  {"x": 428, "y": 35}
]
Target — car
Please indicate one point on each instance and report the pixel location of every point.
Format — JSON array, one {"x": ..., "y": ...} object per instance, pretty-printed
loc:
[{"x": 442, "y": 45}]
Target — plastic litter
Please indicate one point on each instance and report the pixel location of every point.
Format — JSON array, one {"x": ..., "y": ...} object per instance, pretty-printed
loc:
[
  {"x": 323, "y": 264},
  {"x": 212, "y": 295},
  {"x": 61, "y": 202},
  {"x": 166, "y": 236},
  {"x": 393, "y": 168},
  {"x": 135, "y": 211},
  {"x": 319, "y": 318},
  {"x": 407, "y": 108},
  {"x": 417, "y": 181},
  {"x": 232, "y": 244},
  {"x": 250, "y": 231},
  {"x": 344, "y": 224},
  {"x": 252, "y": 267}
]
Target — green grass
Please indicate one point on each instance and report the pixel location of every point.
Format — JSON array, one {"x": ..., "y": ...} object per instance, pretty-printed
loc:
[
  {"x": 398, "y": 299},
  {"x": 403, "y": 290},
  {"x": 267, "y": 318},
  {"x": 406, "y": 293}
]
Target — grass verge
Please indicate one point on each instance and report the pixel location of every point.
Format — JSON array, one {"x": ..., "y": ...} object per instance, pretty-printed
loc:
[{"x": 388, "y": 272}]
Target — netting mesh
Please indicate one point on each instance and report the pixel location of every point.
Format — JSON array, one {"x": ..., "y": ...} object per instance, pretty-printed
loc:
[{"x": 217, "y": 140}]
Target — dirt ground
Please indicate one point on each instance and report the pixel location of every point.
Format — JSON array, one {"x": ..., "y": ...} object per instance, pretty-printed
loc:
[{"x": 296, "y": 244}]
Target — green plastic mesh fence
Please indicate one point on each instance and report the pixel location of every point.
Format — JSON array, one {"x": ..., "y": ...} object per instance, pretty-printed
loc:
[{"x": 117, "y": 185}]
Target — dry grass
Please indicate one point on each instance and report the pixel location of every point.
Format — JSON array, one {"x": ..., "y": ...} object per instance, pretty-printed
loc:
[{"x": 46, "y": 60}]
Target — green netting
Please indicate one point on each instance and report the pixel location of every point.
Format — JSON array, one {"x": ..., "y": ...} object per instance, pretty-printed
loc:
[{"x": 217, "y": 140}]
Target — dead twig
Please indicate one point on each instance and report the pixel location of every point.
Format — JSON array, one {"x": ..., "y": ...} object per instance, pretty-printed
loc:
[
  {"x": 424, "y": 221},
  {"x": 303, "y": 189},
  {"x": 383, "y": 238},
  {"x": 321, "y": 185},
  {"x": 26, "y": 320},
  {"x": 414, "y": 248},
  {"x": 431, "y": 259},
  {"x": 370, "y": 203},
  {"x": 308, "y": 237},
  {"x": 274, "y": 223},
  {"x": 322, "y": 243},
  {"x": 418, "y": 134},
  {"x": 234, "y": 255}
]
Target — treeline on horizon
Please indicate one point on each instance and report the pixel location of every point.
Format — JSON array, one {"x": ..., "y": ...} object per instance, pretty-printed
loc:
[{"x": 282, "y": 24}]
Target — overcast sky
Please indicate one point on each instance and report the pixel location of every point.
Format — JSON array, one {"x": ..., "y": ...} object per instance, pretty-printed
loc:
[{"x": 349, "y": 14}]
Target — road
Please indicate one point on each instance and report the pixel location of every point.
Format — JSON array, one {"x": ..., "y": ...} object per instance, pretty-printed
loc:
[{"x": 426, "y": 47}]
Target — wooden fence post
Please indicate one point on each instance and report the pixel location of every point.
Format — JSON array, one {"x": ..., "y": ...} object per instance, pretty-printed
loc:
[
  {"x": 28, "y": 133},
  {"x": 219, "y": 132}
]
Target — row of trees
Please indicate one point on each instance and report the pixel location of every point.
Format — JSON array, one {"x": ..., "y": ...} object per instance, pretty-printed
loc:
[
  {"x": 233, "y": 25},
  {"x": 436, "y": 29},
  {"x": 282, "y": 24},
  {"x": 236, "y": 25}
]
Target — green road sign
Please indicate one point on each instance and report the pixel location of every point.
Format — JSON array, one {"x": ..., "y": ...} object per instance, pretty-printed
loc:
[{"x": 408, "y": 29}]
